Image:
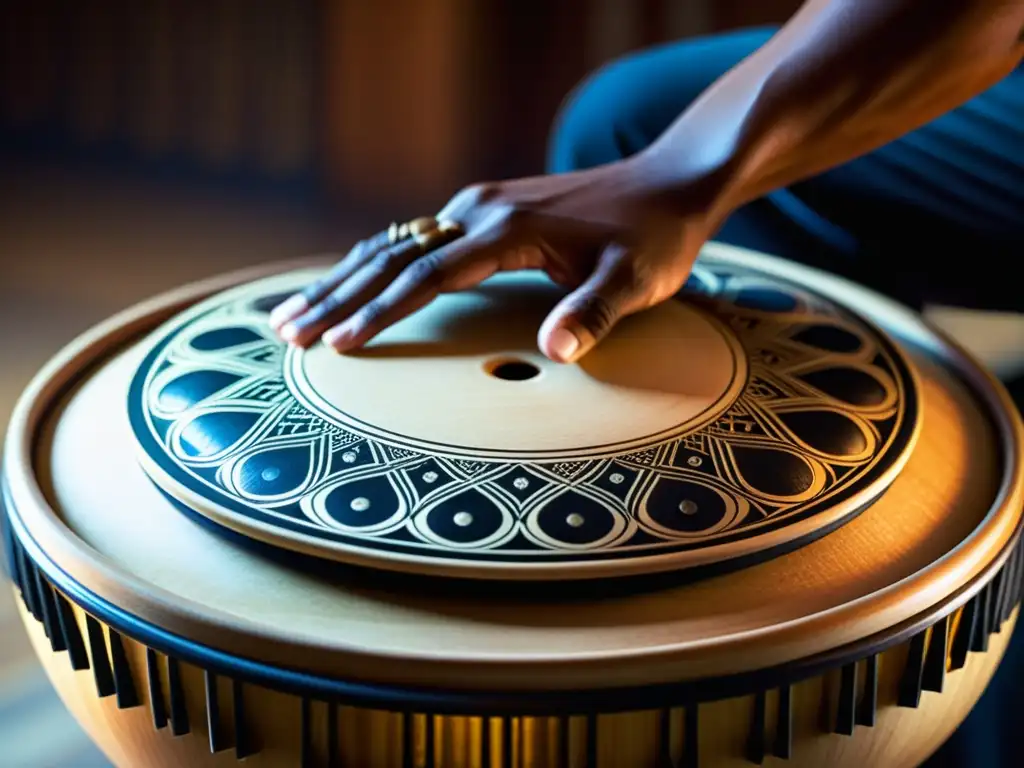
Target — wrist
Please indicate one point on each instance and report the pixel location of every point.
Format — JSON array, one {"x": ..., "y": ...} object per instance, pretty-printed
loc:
[{"x": 672, "y": 183}]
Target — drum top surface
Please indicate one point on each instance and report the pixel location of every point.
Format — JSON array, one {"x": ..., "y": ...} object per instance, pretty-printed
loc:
[
  {"x": 750, "y": 415},
  {"x": 87, "y": 506}
]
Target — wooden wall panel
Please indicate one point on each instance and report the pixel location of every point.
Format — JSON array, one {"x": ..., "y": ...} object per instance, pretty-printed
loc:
[
  {"x": 529, "y": 54},
  {"x": 397, "y": 102},
  {"x": 29, "y": 70},
  {"x": 394, "y": 95},
  {"x": 223, "y": 84}
]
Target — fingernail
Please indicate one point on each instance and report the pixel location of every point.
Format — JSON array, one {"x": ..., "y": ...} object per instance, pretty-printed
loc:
[
  {"x": 288, "y": 311},
  {"x": 335, "y": 338},
  {"x": 289, "y": 332},
  {"x": 564, "y": 344}
]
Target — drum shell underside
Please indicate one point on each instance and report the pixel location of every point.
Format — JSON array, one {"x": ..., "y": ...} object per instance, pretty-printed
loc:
[{"x": 891, "y": 708}]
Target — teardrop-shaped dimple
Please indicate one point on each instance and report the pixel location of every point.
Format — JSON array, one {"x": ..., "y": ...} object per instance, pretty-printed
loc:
[
  {"x": 773, "y": 472},
  {"x": 185, "y": 391},
  {"x": 830, "y": 432},
  {"x": 678, "y": 505},
  {"x": 224, "y": 338},
  {"x": 571, "y": 518},
  {"x": 212, "y": 433},
  {"x": 267, "y": 304},
  {"x": 467, "y": 518},
  {"x": 848, "y": 385},
  {"x": 766, "y": 299},
  {"x": 363, "y": 503},
  {"x": 275, "y": 472},
  {"x": 828, "y": 337}
]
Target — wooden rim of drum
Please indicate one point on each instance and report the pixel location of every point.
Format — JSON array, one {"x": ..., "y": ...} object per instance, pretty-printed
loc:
[
  {"x": 546, "y": 702},
  {"x": 881, "y": 613}
]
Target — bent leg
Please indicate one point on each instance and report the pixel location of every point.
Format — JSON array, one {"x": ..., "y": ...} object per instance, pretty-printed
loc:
[{"x": 624, "y": 106}]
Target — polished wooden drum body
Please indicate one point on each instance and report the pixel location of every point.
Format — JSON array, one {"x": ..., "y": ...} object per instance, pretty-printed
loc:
[{"x": 776, "y": 521}]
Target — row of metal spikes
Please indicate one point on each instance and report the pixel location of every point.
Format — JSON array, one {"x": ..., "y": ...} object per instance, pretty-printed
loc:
[{"x": 931, "y": 654}]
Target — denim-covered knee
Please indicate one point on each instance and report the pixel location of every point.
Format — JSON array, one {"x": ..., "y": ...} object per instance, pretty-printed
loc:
[
  {"x": 586, "y": 130},
  {"x": 625, "y": 105}
]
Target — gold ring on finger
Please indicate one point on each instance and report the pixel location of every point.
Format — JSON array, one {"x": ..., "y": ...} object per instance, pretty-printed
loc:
[
  {"x": 440, "y": 235},
  {"x": 399, "y": 232}
]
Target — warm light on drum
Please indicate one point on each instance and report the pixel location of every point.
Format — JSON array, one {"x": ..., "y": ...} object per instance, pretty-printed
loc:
[{"x": 775, "y": 521}]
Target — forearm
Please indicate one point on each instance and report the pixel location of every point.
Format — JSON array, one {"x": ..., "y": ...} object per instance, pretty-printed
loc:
[{"x": 840, "y": 79}]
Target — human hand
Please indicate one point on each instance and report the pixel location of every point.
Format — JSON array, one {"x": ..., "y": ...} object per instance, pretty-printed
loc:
[{"x": 616, "y": 245}]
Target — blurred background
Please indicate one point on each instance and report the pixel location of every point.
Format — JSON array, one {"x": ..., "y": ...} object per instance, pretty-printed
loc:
[{"x": 148, "y": 143}]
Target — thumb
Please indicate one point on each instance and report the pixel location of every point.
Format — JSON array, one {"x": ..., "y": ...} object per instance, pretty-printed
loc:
[{"x": 589, "y": 313}]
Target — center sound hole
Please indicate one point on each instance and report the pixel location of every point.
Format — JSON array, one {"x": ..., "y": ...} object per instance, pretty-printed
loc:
[{"x": 512, "y": 370}]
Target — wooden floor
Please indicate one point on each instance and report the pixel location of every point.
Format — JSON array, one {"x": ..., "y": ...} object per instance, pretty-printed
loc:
[{"x": 74, "y": 250}]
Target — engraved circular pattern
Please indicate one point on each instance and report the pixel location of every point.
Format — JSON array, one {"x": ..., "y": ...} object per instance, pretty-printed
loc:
[{"x": 828, "y": 409}]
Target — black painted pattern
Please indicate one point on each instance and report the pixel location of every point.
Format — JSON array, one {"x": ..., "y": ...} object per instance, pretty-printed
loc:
[
  {"x": 156, "y": 693},
  {"x": 179, "y": 706},
  {"x": 934, "y": 676},
  {"x": 102, "y": 673},
  {"x": 72, "y": 634},
  {"x": 217, "y": 743},
  {"x": 847, "y": 700},
  {"x": 783, "y": 744},
  {"x": 124, "y": 682},
  {"x": 244, "y": 745},
  {"x": 867, "y": 707},
  {"x": 913, "y": 673},
  {"x": 828, "y": 406},
  {"x": 755, "y": 741}
]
